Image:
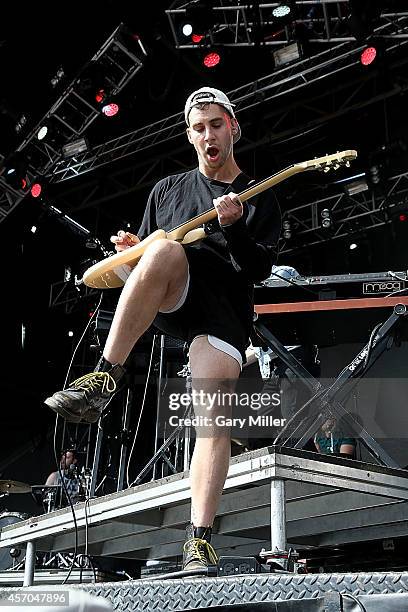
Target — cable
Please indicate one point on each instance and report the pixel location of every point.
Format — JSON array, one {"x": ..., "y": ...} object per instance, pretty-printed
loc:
[
  {"x": 141, "y": 412},
  {"x": 61, "y": 476},
  {"x": 352, "y": 597}
]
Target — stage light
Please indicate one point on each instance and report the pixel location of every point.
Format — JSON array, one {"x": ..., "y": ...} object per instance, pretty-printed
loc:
[
  {"x": 196, "y": 38},
  {"x": 15, "y": 167},
  {"x": 211, "y": 59},
  {"x": 326, "y": 218},
  {"x": 353, "y": 246},
  {"x": 368, "y": 56},
  {"x": 187, "y": 29},
  {"x": 70, "y": 333},
  {"x": 33, "y": 229},
  {"x": 36, "y": 190},
  {"x": 42, "y": 132},
  {"x": 287, "y": 54},
  {"x": 110, "y": 110},
  {"x": 100, "y": 96},
  {"x": 402, "y": 217},
  {"x": 281, "y": 11},
  {"x": 287, "y": 229},
  {"x": 71, "y": 149}
]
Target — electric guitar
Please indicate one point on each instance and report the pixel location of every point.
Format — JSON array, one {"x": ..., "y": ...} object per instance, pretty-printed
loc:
[{"x": 114, "y": 270}]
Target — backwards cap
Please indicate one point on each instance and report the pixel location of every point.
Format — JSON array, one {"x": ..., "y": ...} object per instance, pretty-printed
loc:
[{"x": 212, "y": 96}]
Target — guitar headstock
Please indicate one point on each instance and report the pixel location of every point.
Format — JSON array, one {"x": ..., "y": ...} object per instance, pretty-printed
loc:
[{"x": 330, "y": 162}]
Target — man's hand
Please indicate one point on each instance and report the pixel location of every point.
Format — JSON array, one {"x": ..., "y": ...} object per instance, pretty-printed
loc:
[
  {"x": 124, "y": 240},
  {"x": 229, "y": 208}
]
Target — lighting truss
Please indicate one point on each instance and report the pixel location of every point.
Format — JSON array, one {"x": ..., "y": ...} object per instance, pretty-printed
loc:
[
  {"x": 298, "y": 76},
  {"x": 238, "y": 24},
  {"x": 72, "y": 113},
  {"x": 363, "y": 211}
]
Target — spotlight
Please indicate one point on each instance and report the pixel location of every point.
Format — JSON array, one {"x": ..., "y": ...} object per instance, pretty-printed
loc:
[
  {"x": 187, "y": 29},
  {"x": 287, "y": 229},
  {"x": 284, "y": 13},
  {"x": 36, "y": 190},
  {"x": 196, "y": 38},
  {"x": 33, "y": 229},
  {"x": 15, "y": 170},
  {"x": 353, "y": 246},
  {"x": 281, "y": 11},
  {"x": 111, "y": 109},
  {"x": 368, "y": 56},
  {"x": 42, "y": 132},
  {"x": 211, "y": 59},
  {"x": 326, "y": 218}
]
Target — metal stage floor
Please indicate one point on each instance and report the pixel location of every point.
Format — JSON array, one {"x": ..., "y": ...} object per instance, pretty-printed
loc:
[{"x": 329, "y": 501}]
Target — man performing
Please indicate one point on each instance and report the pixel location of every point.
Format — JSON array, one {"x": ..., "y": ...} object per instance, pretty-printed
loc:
[{"x": 201, "y": 293}]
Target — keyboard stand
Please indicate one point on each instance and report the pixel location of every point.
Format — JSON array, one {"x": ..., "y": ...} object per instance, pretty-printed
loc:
[{"x": 326, "y": 402}]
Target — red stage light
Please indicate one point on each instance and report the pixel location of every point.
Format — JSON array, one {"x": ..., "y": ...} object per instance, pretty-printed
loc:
[
  {"x": 110, "y": 110},
  {"x": 100, "y": 95},
  {"x": 23, "y": 183},
  {"x": 36, "y": 190},
  {"x": 368, "y": 56},
  {"x": 211, "y": 59},
  {"x": 196, "y": 38},
  {"x": 403, "y": 217}
]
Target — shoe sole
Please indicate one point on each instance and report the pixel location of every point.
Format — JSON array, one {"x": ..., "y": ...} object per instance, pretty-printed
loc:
[{"x": 61, "y": 411}]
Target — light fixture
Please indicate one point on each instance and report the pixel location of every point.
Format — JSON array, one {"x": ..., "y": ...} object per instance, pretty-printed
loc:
[
  {"x": 353, "y": 246},
  {"x": 15, "y": 170},
  {"x": 187, "y": 29},
  {"x": 287, "y": 229},
  {"x": 356, "y": 186},
  {"x": 211, "y": 59},
  {"x": 368, "y": 56},
  {"x": 326, "y": 218},
  {"x": 110, "y": 109},
  {"x": 287, "y": 54},
  {"x": 281, "y": 11},
  {"x": 70, "y": 149}
]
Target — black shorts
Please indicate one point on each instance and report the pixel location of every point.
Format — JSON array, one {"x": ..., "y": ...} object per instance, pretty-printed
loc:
[{"x": 218, "y": 303}]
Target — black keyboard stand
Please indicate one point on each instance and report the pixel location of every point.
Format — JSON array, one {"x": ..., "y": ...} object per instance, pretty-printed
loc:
[{"x": 326, "y": 402}]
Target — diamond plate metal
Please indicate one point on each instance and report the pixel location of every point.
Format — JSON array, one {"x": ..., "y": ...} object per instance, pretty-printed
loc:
[{"x": 196, "y": 593}]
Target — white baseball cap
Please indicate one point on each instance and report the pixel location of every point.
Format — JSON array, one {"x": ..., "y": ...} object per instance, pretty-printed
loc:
[{"x": 212, "y": 96}]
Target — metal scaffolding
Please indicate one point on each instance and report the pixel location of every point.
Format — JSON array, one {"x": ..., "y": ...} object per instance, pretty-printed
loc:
[
  {"x": 351, "y": 213},
  {"x": 300, "y": 75},
  {"x": 118, "y": 60}
]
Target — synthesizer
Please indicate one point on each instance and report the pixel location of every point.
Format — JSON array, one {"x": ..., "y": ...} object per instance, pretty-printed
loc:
[{"x": 336, "y": 286}]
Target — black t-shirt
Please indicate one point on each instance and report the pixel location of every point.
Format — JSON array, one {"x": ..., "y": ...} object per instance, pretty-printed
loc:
[{"x": 246, "y": 249}]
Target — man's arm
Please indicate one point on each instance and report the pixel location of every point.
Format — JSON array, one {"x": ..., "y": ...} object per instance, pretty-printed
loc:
[
  {"x": 52, "y": 479},
  {"x": 253, "y": 245}
]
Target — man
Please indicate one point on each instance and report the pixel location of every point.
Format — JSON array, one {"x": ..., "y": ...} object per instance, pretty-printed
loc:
[
  {"x": 68, "y": 467},
  {"x": 202, "y": 294}
]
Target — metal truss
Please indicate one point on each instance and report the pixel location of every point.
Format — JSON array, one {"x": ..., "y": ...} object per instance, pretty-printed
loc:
[
  {"x": 303, "y": 73},
  {"x": 118, "y": 60},
  {"x": 251, "y": 24},
  {"x": 360, "y": 212}
]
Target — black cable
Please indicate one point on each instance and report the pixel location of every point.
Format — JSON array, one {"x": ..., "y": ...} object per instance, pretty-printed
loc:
[
  {"x": 57, "y": 460},
  {"x": 211, "y": 570}
]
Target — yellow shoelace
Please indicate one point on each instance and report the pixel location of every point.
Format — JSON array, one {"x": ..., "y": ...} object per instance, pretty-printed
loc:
[
  {"x": 102, "y": 381},
  {"x": 197, "y": 547}
]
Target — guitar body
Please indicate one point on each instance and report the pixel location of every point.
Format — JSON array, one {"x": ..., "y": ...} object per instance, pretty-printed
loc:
[{"x": 114, "y": 271}]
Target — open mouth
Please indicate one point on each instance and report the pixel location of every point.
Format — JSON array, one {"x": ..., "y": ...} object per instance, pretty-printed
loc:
[{"x": 213, "y": 153}]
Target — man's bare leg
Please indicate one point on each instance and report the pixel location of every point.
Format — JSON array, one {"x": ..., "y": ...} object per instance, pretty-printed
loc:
[
  {"x": 210, "y": 461},
  {"x": 156, "y": 283}
]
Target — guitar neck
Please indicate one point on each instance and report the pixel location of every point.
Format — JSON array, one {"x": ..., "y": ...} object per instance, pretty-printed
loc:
[{"x": 179, "y": 232}]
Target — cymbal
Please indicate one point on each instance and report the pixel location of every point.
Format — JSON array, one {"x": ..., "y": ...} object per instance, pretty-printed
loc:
[{"x": 13, "y": 486}]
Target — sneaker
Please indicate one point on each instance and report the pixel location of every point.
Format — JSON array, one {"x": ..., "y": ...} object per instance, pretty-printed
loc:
[
  {"x": 197, "y": 551},
  {"x": 86, "y": 398}
]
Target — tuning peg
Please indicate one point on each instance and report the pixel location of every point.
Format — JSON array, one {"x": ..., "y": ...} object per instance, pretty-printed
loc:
[
  {"x": 347, "y": 164},
  {"x": 326, "y": 169},
  {"x": 336, "y": 166}
]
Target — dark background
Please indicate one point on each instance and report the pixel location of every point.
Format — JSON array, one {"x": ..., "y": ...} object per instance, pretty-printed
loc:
[{"x": 34, "y": 42}]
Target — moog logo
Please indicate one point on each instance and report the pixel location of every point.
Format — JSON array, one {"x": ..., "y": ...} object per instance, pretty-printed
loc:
[{"x": 383, "y": 287}]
